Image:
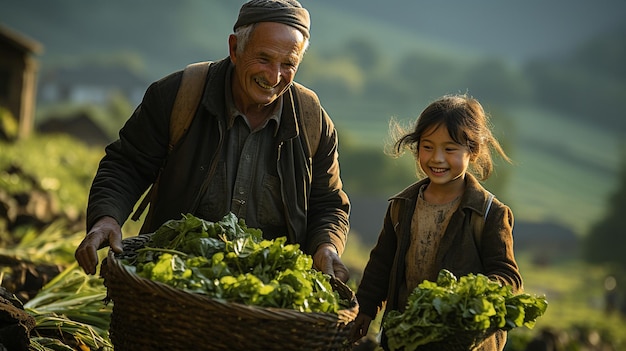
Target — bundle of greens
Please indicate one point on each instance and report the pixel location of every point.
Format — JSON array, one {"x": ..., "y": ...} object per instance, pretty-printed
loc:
[
  {"x": 447, "y": 308},
  {"x": 69, "y": 313},
  {"x": 227, "y": 260}
]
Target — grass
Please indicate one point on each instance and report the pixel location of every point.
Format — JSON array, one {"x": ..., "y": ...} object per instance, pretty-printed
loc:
[
  {"x": 575, "y": 293},
  {"x": 573, "y": 289}
]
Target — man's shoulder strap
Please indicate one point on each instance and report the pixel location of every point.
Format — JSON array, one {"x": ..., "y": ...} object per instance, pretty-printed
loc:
[
  {"x": 185, "y": 106},
  {"x": 187, "y": 99},
  {"x": 310, "y": 115}
]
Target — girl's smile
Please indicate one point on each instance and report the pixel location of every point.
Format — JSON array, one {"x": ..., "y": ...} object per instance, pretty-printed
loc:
[{"x": 444, "y": 161}]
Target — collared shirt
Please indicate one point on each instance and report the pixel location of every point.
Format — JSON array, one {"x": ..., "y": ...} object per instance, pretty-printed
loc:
[{"x": 247, "y": 171}]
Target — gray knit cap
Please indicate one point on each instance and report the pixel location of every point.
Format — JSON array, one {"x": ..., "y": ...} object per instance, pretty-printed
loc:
[{"x": 288, "y": 12}]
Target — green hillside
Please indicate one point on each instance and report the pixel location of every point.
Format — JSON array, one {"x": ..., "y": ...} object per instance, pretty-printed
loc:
[{"x": 566, "y": 170}]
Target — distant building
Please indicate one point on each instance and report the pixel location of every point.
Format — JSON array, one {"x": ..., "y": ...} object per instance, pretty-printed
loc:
[
  {"x": 78, "y": 125},
  {"x": 80, "y": 87},
  {"x": 90, "y": 84},
  {"x": 18, "y": 77}
]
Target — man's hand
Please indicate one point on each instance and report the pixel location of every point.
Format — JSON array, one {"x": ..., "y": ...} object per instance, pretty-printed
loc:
[
  {"x": 105, "y": 232},
  {"x": 359, "y": 327},
  {"x": 327, "y": 260}
]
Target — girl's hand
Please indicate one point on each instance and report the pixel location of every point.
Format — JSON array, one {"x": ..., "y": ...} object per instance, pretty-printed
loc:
[{"x": 360, "y": 327}]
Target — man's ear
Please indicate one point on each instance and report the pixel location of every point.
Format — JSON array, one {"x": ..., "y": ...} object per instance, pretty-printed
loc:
[{"x": 232, "y": 47}]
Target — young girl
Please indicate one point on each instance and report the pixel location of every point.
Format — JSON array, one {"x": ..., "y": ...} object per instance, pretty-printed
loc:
[{"x": 431, "y": 225}]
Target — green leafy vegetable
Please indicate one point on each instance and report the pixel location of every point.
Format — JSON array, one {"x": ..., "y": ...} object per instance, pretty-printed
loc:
[
  {"x": 229, "y": 261},
  {"x": 441, "y": 310}
]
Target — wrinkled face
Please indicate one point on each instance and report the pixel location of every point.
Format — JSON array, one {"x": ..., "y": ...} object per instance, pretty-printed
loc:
[
  {"x": 267, "y": 65},
  {"x": 442, "y": 159}
]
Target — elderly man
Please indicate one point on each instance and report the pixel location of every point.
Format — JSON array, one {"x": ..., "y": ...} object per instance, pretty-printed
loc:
[{"x": 247, "y": 150}]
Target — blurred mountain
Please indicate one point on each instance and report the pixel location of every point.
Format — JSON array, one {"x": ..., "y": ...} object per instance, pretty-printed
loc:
[
  {"x": 167, "y": 34},
  {"x": 514, "y": 30}
]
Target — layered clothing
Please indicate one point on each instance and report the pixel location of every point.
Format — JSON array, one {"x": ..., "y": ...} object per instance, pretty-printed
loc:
[
  {"x": 314, "y": 205},
  {"x": 460, "y": 250}
]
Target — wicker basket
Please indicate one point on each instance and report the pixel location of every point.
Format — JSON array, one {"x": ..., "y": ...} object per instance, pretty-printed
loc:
[
  {"x": 462, "y": 341},
  {"x": 149, "y": 315}
]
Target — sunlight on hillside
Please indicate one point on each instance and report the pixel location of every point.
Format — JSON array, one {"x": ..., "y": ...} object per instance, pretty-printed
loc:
[{"x": 562, "y": 179}]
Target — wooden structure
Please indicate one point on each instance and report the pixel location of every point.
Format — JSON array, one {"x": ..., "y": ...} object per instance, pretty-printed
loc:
[{"x": 18, "y": 77}]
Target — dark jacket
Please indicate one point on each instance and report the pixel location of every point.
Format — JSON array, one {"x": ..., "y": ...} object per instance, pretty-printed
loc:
[
  {"x": 384, "y": 274},
  {"x": 315, "y": 205}
]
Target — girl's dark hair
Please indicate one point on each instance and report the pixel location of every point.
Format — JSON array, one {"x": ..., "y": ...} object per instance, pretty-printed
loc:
[{"x": 468, "y": 125}]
